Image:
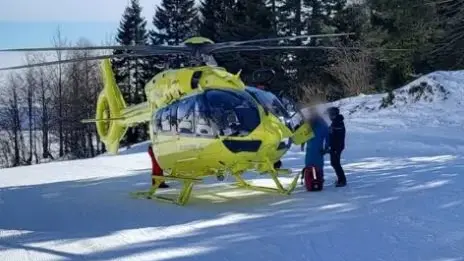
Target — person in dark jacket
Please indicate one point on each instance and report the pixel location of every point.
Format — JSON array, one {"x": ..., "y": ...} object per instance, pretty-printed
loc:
[{"x": 337, "y": 134}]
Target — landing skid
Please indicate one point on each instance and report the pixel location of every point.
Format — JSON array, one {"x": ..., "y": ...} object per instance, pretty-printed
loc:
[
  {"x": 181, "y": 199},
  {"x": 188, "y": 183},
  {"x": 242, "y": 183}
]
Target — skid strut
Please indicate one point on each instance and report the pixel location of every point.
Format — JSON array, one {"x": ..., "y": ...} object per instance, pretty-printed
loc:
[
  {"x": 242, "y": 183},
  {"x": 184, "y": 194},
  {"x": 188, "y": 183}
]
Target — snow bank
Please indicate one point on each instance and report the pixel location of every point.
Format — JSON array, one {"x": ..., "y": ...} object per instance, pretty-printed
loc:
[{"x": 433, "y": 100}]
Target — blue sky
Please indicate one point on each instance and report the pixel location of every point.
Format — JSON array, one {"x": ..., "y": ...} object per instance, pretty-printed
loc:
[
  {"x": 40, "y": 34},
  {"x": 33, "y": 23}
]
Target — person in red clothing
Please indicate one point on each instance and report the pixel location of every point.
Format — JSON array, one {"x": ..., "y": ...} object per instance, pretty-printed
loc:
[{"x": 155, "y": 168}]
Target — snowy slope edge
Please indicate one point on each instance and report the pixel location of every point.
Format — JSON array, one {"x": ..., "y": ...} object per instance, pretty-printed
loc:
[{"x": 435, "y": 99}]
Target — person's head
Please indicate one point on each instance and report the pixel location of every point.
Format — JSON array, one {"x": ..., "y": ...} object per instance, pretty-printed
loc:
[
  {"x": 313, "y": 112},
  {"x": 333, "y": 112},
  {"x": 314, "y": 116}
]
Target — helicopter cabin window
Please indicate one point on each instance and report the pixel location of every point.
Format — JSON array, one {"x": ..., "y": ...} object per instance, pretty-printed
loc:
[
  {"x": 269, "y": 101},
  {"x": 157, "y": 121},
  {"x": 203, "y": 124},
  {"x": 185, "y": 115},
  {"x": 234, "y": 112},
  {"x": 173, "y": 116},
  {"x": 165, "y": 120}
]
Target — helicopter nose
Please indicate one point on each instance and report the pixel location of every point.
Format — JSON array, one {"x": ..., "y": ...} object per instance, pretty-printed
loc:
[
  {"x": 237, "y": 146},
  {"x": 284, "y": 143},
  {"x": 273, "y": 139}
]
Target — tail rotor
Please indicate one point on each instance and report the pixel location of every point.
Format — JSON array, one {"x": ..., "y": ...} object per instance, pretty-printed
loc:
[{"x": 109, "y": 118}]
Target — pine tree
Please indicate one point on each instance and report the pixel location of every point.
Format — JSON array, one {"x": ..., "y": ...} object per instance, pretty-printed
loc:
[
  {"x": 273, "y": 5},
  {"x": 299, "y": 17},
  {"x": 334, "y": 8},
  {"x": 290, "y": 20},
  {"x": 247, "y": 20},
  {"x": 314, "y": 17},
  {"x": 214, "y": 15},
  {"x": 250, "y": 19},
  {"x": 132, "y": 73},
  {"x": 407, "y": 24},
  {"x": 351, "y": 19},
  {"x": 308, "y": 65},
  {"x": 174, "y": 21},
  {"x": 448, "y": 52}
]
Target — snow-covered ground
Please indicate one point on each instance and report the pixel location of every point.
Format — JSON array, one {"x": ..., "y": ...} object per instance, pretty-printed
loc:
[{"x": 404, "y": 201}]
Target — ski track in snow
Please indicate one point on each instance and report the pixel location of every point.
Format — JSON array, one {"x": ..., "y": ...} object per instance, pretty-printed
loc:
[{"x": 404, "y": 201}]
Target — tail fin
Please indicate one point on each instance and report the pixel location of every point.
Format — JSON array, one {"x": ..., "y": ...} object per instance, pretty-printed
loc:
[{"x": 109, "y": 118}]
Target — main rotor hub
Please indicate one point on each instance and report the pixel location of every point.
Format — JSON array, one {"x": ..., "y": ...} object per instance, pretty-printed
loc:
[
  {"x": 198, "y": 55},
  {"x": 197, "y": 41}
]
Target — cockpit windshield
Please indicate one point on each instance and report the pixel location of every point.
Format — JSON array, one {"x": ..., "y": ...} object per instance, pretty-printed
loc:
[
  {"x": 283, "y": 109},
  {"x": 234, "y": 113},
  {"x": 269, "y": 101}
]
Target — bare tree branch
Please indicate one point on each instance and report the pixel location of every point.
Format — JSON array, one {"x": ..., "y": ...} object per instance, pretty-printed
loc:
[{"x": 353, "y": 69}]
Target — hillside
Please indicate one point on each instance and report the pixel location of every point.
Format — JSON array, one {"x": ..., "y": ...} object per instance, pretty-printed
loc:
[
  {"x": 436, "y": 99},
  {"x": 404, "y": 200}
]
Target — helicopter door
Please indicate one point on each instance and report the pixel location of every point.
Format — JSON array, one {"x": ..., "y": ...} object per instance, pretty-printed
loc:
[
  {"x": 166, "y": 134},
  {"x": 190, "y": 142},
  {"x": 301, "y": 129},
  {"x": 203, "y": 124}
]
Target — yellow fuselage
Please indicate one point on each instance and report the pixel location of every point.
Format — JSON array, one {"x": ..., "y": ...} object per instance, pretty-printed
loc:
[
  {"x": 191, "y": 154},
  {"x": 211, "y": 155}
]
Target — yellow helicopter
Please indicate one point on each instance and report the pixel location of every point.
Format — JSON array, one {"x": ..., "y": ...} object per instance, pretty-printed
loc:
[{"x": 203, "y": 120}]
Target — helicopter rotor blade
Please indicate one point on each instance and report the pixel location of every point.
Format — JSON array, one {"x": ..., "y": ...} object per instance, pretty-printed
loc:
[
  {"x": 108, "y": 47},
  {"x": 80, "y": 59},
  {"x": 290, "y": 48},
  {"x": 289, "y": 38},
  {"x": 179, "y": 48}
]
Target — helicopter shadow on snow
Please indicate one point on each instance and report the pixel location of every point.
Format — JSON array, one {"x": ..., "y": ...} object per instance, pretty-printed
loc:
[{"x": 211, "y": 193}]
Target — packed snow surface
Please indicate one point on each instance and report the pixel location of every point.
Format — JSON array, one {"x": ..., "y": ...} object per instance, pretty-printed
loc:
[{"x": 404, "y": 201}]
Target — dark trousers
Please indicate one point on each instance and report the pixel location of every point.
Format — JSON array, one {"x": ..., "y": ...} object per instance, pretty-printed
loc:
[{"x": 336, "y": 165}]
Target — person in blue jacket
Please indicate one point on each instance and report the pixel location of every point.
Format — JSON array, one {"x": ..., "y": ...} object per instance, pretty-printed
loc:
[{"x": 317, "y": 146}]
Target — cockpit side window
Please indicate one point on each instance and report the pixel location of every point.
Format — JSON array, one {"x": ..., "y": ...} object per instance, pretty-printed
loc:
[
  {"x": 203, "y": 124},
  {"x": 165, "y": 120},
  {"x": 233, "y": 112},
  {"x": 284, "y": 108},
  {"x": 173, "y": 116},
  {"x": 269, "y": 101},
  {"x": 185, "y": 116},
  {"x": 157, "y": 121}
]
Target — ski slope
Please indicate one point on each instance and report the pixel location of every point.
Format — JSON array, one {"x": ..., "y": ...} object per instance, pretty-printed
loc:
[{"x": 404, "y": 201}]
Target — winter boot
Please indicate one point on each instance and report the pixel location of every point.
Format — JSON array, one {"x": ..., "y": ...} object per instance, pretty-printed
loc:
[{"x": 340, "y": 184}]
